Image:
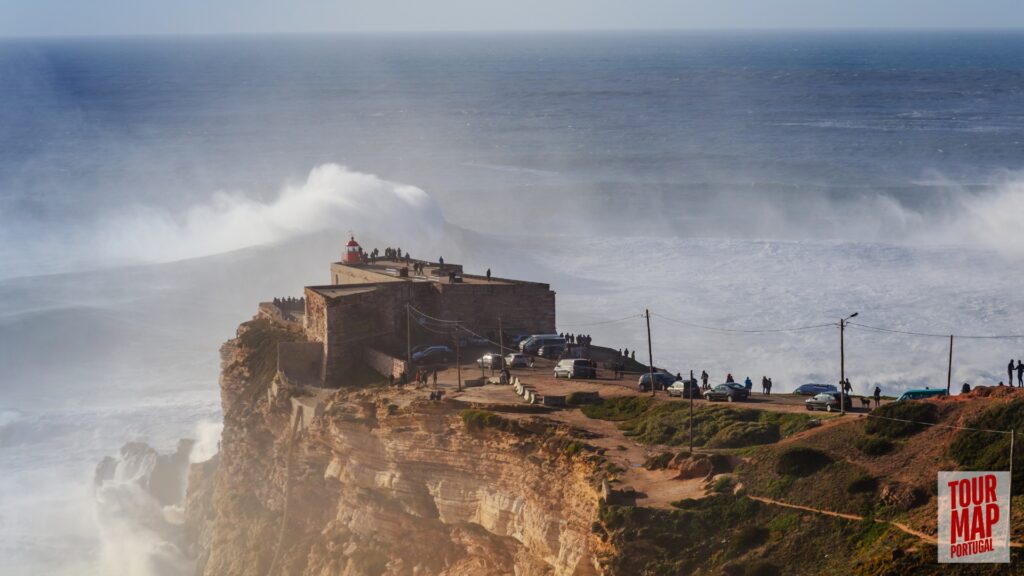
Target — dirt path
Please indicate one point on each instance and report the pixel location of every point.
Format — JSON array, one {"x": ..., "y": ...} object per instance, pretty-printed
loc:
[
  {"x": 900, "y": 526},
  {"x": 903, "y": 527}
]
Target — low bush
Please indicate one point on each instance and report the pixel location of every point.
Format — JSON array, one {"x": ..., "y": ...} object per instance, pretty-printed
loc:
[
  {"x": 801, "y": 461},
  {"x": 747, "y": 538},
  {"x": 901, "y": 419},
  {"x": 617, "y": 409},
  {"x": 481, "y": 419},
  {"x": 659, "y": 462},
  {"x": 739, "y": 434},
  {"x": 872, "y": 446},
  {"x": 862, "y": 484}
]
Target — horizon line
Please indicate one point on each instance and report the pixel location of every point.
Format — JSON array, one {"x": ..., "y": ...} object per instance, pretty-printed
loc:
[{"x": 512, "y": 32}]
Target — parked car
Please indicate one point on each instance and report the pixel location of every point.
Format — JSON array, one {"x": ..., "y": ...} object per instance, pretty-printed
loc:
[
  {"x": 814, "y": 389},
  {"x": 491, "y": 360},
  {"x": 684, "y": 389},
  {"x": 729, "y": 392},
  {"x": 417, "y": 349},
  {"x": 575, "y": 368},
  {"x": 921, "y": 394},
  {"x": 433, "y": 354},
  {"x": 828, "y": 401},
  {"x": 517, "y": 360},
  {"x": 550, "y": 350},
  {"x": 662, "y": 380},
  {"x": 533, "y": 344}
]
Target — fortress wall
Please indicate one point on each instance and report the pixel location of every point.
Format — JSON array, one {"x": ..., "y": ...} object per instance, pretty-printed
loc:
[
  {"x": 523, "y": 308},
  {"x": 374, "y": 318},
  {"x": 385, "y": 364}
]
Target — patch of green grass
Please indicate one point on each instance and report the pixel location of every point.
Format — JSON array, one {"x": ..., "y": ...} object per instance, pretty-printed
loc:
[
  {"x": 476, "y": 420},
  {"x": 713, "y": 426},
  {"x": 902, "y": 419},
  {"x": 617, "y": 409}
]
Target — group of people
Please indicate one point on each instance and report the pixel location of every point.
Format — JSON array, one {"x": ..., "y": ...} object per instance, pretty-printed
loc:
[
  {"x": 1019, "y": 368},
  {"x": 290, "y": 302},
  {"x": 626, "y": 353},
  {"x": 420, "y": 378}
]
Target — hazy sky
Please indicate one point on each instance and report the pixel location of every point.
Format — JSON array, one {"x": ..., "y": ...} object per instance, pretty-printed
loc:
[{"x": 89, "y": 17}]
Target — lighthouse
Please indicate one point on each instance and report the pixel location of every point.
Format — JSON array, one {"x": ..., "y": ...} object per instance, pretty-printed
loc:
[{"x": 353, "y": 252}]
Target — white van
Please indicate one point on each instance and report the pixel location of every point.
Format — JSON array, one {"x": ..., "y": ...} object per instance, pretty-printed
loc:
[
  {"x": 575, "y": 368},
  {"x": 535, "y": 342}
]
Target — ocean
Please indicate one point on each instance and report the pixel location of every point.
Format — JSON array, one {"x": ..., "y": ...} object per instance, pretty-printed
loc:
[{"x": 154, "y": 190}]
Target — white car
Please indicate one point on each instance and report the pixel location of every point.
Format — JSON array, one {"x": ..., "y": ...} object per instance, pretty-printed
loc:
[
  {"x": 490, "y": 360},
  {"x": 517, "y": 360}
]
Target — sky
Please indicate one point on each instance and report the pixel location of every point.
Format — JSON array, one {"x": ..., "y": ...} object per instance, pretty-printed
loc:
[{"x": 20, "y": 18}]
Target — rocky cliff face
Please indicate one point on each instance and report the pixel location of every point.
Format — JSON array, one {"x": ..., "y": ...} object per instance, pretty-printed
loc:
[{"x": 383, "y": 482}]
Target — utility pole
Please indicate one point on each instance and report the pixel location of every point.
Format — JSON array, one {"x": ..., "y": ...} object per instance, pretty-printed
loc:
[
  {"x": 690, "y": 391},
  {"x": 949, "y": 370},
  {"x": 650, "y": 354},
  {"x": 842, "y": 363},
  {"x": 408, "y": 338},
  {"x": 501, "y": 342},
  {"x": 842, "y": 367},
  {"x": 458, "y": 358}
]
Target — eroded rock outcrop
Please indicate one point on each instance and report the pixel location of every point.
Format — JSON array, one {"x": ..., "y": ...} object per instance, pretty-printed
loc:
[{"x": 380, "y": 482}]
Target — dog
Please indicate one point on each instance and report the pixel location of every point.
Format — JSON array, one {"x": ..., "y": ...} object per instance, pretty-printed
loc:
[{"x": 865, "y": 402}]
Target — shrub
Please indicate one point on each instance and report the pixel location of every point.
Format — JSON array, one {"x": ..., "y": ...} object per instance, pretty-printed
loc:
[
  {"x": 481, "y": 419},
  {"x": 801, "y": 461},
  {"x": 911, "y": 418},
  {"x": 581, "y": 398},
  {"x": 862, "y": 484},
  {"x": 722, "y": 485},
  {"x": 741, "y": 434},
  {"x": 872, "y": 446},
  {"x": 659, "y": 462}
]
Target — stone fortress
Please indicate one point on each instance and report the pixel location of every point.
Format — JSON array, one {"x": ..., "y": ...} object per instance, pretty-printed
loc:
[{"x": 373, "y": 309}]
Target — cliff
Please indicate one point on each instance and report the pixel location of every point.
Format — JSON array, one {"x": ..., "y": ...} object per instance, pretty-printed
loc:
[
  {"x": 384, "y": 481},
  {"x": 377, "y": 481}
]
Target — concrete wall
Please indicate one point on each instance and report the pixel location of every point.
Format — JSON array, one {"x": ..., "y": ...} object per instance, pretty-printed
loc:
[{"x": 385, "y": 364}]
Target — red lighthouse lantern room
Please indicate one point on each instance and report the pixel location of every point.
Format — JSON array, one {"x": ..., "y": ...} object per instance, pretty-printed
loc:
[{"x": 353, "y": 252}]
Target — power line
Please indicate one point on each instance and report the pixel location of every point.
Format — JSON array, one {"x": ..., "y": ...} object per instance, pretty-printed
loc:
[
  {"x": 869, "y": 415},
  {"x": 933, "y": 335},
  {"x": 598, "y": 323},
  {"x": 741, "y": 331}
]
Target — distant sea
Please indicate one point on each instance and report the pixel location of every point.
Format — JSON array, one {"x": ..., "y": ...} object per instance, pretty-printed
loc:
[{"x": 152, "y": 191}]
